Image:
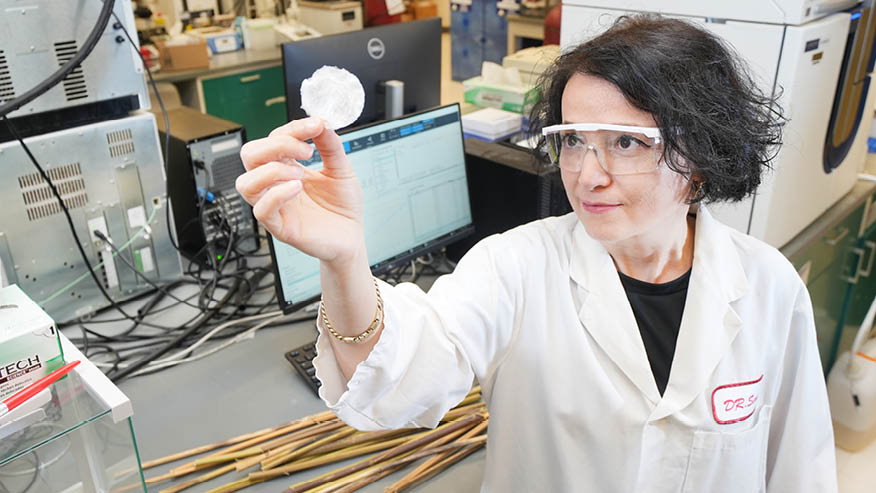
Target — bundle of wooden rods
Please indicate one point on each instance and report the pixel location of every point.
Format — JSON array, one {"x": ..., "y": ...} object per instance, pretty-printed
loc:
[{"x": 322, "y": 439}]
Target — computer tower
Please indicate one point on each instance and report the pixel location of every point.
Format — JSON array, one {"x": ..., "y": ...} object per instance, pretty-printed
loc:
[
  {"x": 507, "y": 189},
  {"x": 210, "y": 218}
]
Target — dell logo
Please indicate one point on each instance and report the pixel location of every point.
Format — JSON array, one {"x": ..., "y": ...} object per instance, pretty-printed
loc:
[{"x": 376, "y": 48}]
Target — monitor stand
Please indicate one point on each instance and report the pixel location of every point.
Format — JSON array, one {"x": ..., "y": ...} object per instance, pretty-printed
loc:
[{"x": 392, "y": 98}]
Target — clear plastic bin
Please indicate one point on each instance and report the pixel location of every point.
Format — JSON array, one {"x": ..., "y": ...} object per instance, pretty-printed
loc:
[
  {"x": 258, "y": 34},
  {"x": 82, "y": 440}
]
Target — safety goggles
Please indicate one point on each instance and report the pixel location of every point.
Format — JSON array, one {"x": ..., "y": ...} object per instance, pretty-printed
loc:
[{"x": 619, "y": 149}]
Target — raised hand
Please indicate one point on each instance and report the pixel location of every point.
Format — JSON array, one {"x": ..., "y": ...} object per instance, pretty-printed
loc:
[{"x": 317, "y": 212}]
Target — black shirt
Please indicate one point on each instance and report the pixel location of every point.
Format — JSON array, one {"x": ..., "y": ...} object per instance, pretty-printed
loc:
[{"x": 658, "y": 309}]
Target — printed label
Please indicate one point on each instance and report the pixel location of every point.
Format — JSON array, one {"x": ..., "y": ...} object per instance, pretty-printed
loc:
[
  {"x": 136, "y": 217},
  {"x": 20, "y": 368}
]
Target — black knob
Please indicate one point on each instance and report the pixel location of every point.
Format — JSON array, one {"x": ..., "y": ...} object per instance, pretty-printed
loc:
[
  {"x": 117, "y": 25},
  {"x": 199, "y": 163},
  {"x": 120, "y": 39}
]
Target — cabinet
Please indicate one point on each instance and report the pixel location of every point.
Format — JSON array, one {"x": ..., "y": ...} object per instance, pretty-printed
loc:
[
  {"x": 478, "y": 33},
  {"x": 826, "y": 263},
  {"x": 861, "y": 280},
  {"x": 255, "y": 99},
  {"x": 836, "y": 256}
]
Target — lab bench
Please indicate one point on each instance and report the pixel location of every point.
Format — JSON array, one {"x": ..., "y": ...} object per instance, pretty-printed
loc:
[
  {"x": 247, "y": 387},
  {"x": 245, "y": 87}
]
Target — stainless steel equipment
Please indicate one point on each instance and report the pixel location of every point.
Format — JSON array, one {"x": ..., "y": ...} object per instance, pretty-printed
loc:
[
  {"x": 39, "y": 36},
  {"x": 111, "y": 177}
]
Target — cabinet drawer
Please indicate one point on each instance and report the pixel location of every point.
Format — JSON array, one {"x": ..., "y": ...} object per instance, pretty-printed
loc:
[
  {"x": 254, "y": 99},
  {"x": 263, "y": 82}
]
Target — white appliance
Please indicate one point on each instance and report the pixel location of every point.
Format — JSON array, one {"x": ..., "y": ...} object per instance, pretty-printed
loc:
[
  {"x": 818, "y": 56},
  {"x": 331, "y": 17},
  {"x": 202, "y": 5},
  {"x": 294, "y": 31}
]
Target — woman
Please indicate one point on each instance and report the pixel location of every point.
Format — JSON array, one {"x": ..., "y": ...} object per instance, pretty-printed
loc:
[{"x": 633, "y": 345}]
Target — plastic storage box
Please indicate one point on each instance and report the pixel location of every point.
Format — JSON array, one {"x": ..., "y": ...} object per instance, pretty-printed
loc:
[
  {"x": 258, "y": 34},
  {"x": 219, "y": 40},
  {"x": 80, "y": 440}
]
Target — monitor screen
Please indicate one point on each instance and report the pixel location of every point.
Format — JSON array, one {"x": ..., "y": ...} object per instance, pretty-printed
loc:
[
  {"x": 415, "y": 192},
  {"x": 409, "y": 52}
]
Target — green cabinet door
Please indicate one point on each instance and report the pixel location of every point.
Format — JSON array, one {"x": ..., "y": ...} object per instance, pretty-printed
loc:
[
  {"x": 828, "y": 292},
  {"x": 862, "y": 288},
  {"x": 254, "y": 99},
  {"x": 830, "y": 261}
]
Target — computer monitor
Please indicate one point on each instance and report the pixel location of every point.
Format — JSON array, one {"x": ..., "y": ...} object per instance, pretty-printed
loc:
[
  {"x": 409, "y": 52},
  {"x": 415, "y": 192}
]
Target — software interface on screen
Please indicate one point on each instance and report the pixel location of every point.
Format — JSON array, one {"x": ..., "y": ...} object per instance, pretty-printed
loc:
[{"x": 412, "y": 172}]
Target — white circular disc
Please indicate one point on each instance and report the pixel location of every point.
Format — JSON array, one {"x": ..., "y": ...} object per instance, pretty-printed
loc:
[{"x": 333, "y": 94}]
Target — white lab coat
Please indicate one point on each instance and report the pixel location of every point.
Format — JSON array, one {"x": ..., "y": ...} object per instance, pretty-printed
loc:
[{"x": 539, "y": 316}]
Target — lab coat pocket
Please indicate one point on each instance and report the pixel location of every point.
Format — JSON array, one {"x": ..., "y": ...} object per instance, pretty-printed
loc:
[{"x": 729, "y": 462}]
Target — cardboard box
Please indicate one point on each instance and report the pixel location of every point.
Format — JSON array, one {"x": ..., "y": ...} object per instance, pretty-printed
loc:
[
  {"x": 29, "y": 344},
  {"x": 424, "y": 9},
  {"x": 183, "y": 56}
]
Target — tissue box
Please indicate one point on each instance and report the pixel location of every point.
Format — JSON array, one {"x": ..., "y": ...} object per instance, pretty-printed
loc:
[
  {"x": 183, "y": 56},
  {"x": 491, "y": 124},
  {"x": 84, "y": 438},
  {"x": 518, "y": 99},
  {"x": 29, "y": 344}
]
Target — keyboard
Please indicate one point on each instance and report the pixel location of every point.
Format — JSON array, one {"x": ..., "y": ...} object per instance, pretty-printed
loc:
[{"x": 302, "y": 360}]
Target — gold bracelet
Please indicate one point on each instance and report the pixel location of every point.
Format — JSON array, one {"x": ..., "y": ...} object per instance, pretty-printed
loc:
[{"x": 375, "y": 324}]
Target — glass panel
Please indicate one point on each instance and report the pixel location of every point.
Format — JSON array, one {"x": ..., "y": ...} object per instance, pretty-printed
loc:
[{"x": 75, "y": 446}]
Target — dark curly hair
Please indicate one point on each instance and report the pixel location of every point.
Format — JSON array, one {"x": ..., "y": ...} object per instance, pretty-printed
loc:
[{"x": 718, "y": 126}]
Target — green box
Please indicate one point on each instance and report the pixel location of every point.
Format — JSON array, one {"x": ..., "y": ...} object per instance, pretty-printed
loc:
[
  {"x": 518, "y": 99},
  {"x": 29, "y": 344}
]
